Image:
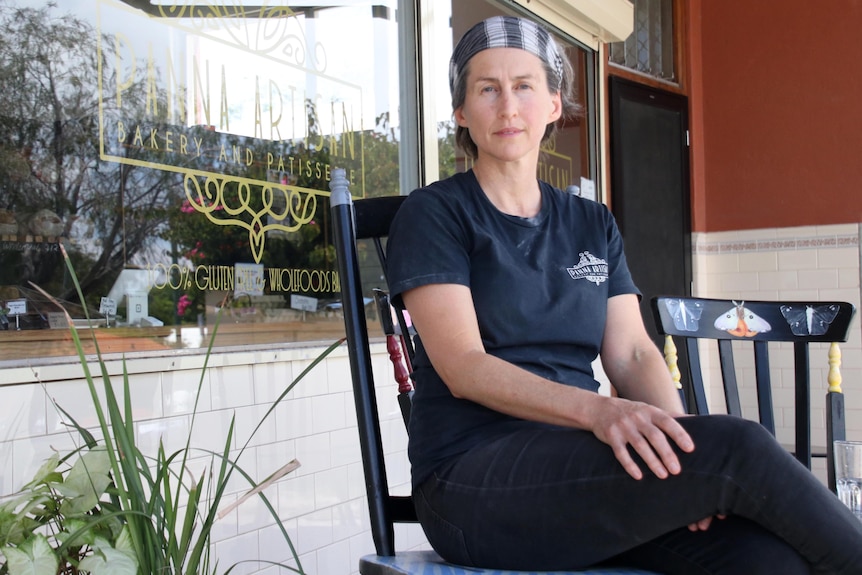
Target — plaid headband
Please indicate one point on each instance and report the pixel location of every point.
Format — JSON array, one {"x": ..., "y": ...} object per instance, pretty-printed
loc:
[{"x": 505, "y": 32}]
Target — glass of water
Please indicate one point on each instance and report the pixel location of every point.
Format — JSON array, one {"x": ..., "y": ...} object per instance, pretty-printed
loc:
[{"x": 848, "y": 474}]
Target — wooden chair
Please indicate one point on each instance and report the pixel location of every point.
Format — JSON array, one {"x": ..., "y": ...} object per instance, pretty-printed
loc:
[
  {"x": 370, "y": 218},
  {"x": 758, "y": 323}
]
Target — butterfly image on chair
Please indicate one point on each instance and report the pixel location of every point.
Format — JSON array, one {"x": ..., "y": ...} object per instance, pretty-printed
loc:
[
  {"x": 685, "y": 314},
  {"x": 810, "y": 320},
  {"x": 739, "y": 321}
]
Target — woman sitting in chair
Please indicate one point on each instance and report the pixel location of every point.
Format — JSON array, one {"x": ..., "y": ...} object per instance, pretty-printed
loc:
[{"x": 515, "y": 287}]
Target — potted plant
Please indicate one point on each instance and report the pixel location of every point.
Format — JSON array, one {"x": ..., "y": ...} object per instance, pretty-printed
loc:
[{"x": 109, "y": 508}]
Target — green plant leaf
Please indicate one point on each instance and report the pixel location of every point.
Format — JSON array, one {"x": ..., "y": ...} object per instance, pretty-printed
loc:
[
  {"x": 33, "y": 557},
  {"x": 17, "y": 515},
  {"x": 108, "y": 560},
  {"x": 76, "y": 533},
  {"x": 88, "y": 438},
  {"x": 86, "y": 482},
  {"x": 46, "y": 473},
  {"x": 124, "y": 542},
  {"x": 8, "y": 522}
]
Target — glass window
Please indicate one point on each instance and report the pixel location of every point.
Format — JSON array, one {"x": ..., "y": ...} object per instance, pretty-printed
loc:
[
  {"x": 566, "y": 158},
  {"x": 650, "y": 48},
  {"x": 181, "y": 153}
]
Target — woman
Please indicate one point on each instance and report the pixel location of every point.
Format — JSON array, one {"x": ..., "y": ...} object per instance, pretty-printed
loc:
[{"x": 514, "y": 288}]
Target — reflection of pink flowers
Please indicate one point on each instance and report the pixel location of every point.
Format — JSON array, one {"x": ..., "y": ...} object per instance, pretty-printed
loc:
[
  {"x": 187, "y": 207},
  {"x": 183, "y": 304},
  {"x": 196, "y": 251}
]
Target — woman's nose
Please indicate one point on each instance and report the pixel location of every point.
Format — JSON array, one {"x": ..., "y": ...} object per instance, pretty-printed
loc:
[{"x": 507, "y": 104}]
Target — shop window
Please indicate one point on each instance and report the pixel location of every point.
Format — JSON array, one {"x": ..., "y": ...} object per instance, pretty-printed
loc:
[
  {"x": 650, "y": 48},
  {"x": 181, "y": 155}
]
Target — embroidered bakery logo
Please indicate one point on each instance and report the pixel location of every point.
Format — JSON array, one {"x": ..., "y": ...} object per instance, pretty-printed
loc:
[{"x": 589, "y": 268}]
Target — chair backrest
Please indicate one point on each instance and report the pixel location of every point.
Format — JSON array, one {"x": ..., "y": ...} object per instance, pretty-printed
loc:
[
  {"x": 372, "y": 217},
  {"x": 368, "y": 218},
  {"x": 759, "y": 322}
]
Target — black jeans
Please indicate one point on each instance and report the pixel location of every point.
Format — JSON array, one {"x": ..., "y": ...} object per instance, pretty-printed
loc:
[{"x": 556, "y": 499}]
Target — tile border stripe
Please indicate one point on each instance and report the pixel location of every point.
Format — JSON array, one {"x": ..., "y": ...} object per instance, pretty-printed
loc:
[{"x": 776, "y": 244}]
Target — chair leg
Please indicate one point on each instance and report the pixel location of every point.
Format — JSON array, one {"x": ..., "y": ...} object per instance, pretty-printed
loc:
[
  {"x": 835, "y": 423},
  {"x": 835, "y": 430}
]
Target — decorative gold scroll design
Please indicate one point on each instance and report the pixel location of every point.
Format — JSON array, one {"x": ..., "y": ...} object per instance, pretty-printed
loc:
[
  {"x": 299, "y": 206},
  {"x": 263, "y": 29},
  {"x": 202, "y": 9}
]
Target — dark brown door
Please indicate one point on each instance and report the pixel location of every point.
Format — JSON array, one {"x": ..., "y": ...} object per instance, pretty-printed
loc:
[{"x": 650, "y": 188}]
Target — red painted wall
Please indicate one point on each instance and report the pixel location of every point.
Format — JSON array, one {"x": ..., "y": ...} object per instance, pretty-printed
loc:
[{"x": 780, "y": 113}]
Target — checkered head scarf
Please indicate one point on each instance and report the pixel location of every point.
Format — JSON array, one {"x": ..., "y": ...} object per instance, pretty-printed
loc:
[{"x": 506, "y": 32}]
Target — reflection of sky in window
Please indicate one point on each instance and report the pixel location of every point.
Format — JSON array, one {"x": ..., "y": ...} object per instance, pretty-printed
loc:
[
  {"x": 352, "y": 80},
  {"x": 442, "y": 51},
  {"x": 314, "y": 63}
]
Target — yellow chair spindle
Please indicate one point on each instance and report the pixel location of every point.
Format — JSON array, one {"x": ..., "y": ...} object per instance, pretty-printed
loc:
[
  {"x": 671, "y": 359},
  {"x": 834, "y": 377}
]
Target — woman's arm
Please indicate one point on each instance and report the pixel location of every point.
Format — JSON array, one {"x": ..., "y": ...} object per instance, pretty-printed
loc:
[
  {"x": 446, "y": 320},
  {"x": 631, "y": 359}
]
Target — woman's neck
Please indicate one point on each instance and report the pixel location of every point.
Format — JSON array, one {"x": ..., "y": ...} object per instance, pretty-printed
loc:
[{"x": 513, "y": 189}]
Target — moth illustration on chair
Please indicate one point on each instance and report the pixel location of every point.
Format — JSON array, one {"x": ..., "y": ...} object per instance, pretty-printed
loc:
[
  {"x": 686, "y": 315},
  {"x": 810, "y": 320},
  {"x": 739, "y": 321}
]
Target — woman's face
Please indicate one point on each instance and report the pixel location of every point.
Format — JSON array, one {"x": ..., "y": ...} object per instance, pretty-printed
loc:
[{"x": 507, "y": 105}]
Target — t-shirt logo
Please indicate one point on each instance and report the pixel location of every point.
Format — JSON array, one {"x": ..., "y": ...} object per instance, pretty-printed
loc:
[{"x": 590, "y": 268}]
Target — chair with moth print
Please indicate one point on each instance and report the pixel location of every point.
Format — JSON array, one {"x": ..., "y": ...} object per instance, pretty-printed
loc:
[
  {"x": 758, "y": 323},
  {"x": 370, "y": 218}
]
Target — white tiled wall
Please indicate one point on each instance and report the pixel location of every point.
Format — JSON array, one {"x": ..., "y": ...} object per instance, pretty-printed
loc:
[
  {"x": 321, "y": 505},
  {"x": 803, "y": 263}
]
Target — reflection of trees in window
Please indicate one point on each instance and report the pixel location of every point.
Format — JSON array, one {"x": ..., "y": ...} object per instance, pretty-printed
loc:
[
  {"x": 446, "y": 148},
  {"x": 381, "y": 158},
  {"x": 132, "y": 208},
  {"x": 192, "y": 232},
  {"x": 199, "y": 242},
  {"x": 51, "y": 178}
]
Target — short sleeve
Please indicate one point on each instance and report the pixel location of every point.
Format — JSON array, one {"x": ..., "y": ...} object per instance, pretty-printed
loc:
[
  {"x": 428, "y": 243},
  {"x": 620, "y": 278}
]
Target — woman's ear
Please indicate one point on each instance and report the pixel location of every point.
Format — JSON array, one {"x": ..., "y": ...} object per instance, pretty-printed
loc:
[
  {"x": 460, "y": 119},
  {"x": 557, "y": 110}
]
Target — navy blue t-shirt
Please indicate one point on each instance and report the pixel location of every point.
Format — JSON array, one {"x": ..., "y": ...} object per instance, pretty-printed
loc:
[{"x": 539, "y": 285}]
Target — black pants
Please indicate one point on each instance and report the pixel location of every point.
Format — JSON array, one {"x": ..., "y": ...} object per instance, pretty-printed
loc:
[{"x": 556, "y": 499}]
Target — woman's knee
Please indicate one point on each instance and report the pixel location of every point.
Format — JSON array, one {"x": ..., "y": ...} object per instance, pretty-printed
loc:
[
  {"x": 734, "y": 448},
  {"x": 717, "y": 432}
]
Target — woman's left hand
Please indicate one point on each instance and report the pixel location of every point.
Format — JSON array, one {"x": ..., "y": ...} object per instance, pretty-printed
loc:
[{"x": 703, "y": 524}]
